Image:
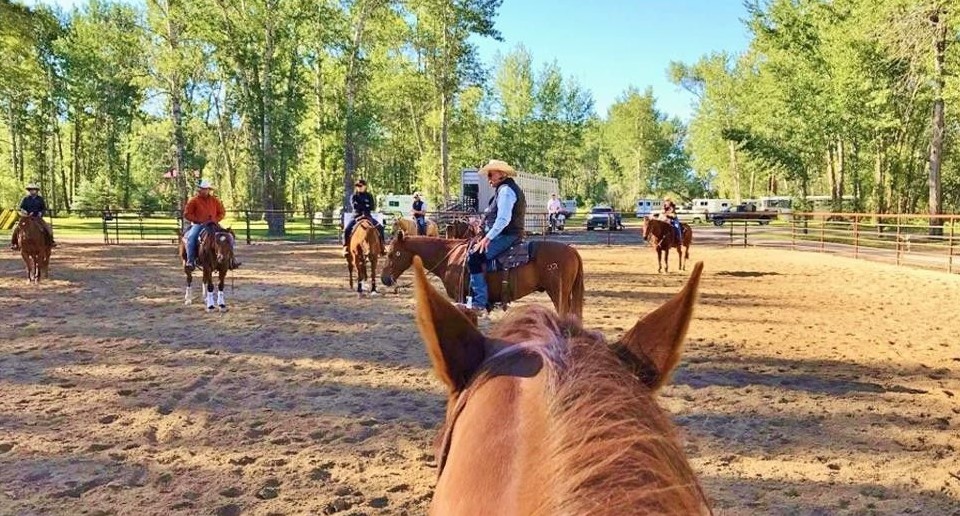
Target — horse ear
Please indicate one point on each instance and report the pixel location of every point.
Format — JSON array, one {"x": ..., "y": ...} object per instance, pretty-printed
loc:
[
  {"x": 453, "y": 342},
  {"x": 655, "y": 342}
]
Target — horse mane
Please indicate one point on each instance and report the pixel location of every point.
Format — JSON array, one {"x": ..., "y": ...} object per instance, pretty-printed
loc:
[{"x": 612, "y": 449}]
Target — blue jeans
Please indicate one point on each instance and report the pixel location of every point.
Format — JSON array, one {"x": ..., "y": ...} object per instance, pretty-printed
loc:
[
  {"x": 192, "y": 236},
  {"x": 421, "y": 225},
  {"x": 475, "y": 261}
]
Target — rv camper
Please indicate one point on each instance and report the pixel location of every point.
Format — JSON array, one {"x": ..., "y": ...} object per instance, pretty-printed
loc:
[{"x": 477, "y": 194}]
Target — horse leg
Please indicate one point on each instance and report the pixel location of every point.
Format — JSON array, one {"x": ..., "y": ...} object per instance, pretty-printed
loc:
[
  {"x": 659, "y": 260},
  {"x": 188, "y": 295},
  {"x": 373, "y": 274},
  {"x": 350, "y": 268},
  {"x": 208, "y": 282},
  {"x": 680, "y": 255},
  {"x": 361, "y": 271},
  {"x": 221, "y": 302}
]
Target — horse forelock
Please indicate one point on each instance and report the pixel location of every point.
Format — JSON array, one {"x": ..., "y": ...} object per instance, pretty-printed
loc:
[{"x": 611, "y": 448}]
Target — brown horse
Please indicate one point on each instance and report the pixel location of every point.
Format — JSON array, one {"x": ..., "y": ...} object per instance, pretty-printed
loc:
[
  {"x": 35, "y": 247},
  {"x": 554, "y": 267},
  {"x": 663, "y": 236},
  {"x": 461, "y": 229},
  {"x": 364, "y": 247},
  {"x": 410, "y": 227},
  {"x": 215, "y": 253},
  {"x": 544, "y": 418}
]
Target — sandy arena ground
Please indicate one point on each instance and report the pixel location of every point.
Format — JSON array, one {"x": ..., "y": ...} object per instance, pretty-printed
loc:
[{"x": 811, "y": 385}]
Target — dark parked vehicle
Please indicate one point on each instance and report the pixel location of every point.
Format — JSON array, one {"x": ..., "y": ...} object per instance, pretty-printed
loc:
[{"x": 604, "y": 217}]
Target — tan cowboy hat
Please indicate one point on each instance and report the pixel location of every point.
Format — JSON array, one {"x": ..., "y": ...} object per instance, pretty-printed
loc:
[
  {"x": 205, "y": 184},
  {"x": 500, "y": 166},
  {"x": 33, "y": 186}
]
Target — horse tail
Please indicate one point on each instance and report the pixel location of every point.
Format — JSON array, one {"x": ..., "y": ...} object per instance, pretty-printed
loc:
[{"x": 575, "y": 305}]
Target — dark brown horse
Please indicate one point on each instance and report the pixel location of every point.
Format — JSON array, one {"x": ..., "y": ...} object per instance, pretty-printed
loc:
[
  {"x": 215, "y": 253},
  {"x": 543, "y": 417},
  {"x": 35, "y": 247},
  {"x": 364, "y": 247},
  {"x": 663, "y": 236},
  {"x": 461, "y": 229},
  {"x": 554, "y": 268}
]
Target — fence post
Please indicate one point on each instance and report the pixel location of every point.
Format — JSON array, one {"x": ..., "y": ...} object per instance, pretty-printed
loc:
[
  {"x": 311, "y": 214},
  {"x": 823, "y": 221},
  {"x": 953, "y": 224},
  {"x": 106, "y": 229},
  {"x": 246, "y": 216},
  {"x": 793, "y": 234},
  {"x": 731, "y": 232},
  {"x": 116, "y": 229},
  {"x": 140, "y": 218},
  {"x": 744, "y": 234},
  {"x": 898, "y": 239},
  {"x": 856, "y": 236}
]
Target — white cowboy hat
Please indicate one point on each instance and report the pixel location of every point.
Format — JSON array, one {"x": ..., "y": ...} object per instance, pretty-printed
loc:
[
  {"x": 500, "y": 166},
  {"x": 205, "y": 184},
  {"x": 417, "y": 194},
  {"x": 32, "y": 186}
]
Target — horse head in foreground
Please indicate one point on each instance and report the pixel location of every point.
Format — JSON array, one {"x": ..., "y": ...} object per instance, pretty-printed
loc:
[{"x": 543, "y": 418}]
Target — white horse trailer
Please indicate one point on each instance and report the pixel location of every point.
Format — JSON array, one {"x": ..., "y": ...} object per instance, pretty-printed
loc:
[{"x": 477, "y": 192}]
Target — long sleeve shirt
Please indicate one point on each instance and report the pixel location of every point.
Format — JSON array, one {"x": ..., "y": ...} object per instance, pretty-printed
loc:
[
  {"x": 201, "y": 210},
  {"x": 505, "y": 201},
  {"x": 554, "y": 206},
  {"x": 33, "y": 204}
]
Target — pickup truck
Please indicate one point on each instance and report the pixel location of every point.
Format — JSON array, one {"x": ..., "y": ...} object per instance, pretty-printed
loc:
[{"x": 744, "y": 212}]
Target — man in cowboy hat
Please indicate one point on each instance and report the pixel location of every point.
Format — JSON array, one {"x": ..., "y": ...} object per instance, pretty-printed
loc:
[
  {"x": 363, "y": 205},
  {"x": 420, "y": 213},
  {"x": 202, "y": 209},
  {"x": 32, "y": 205},
  {"x": 503, "y": 223}
]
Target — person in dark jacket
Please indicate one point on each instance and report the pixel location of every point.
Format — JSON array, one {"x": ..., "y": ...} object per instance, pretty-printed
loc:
[
  {"x": 670, "y": 212},
  {"x": 32, "y": 205},
  {"x": 363, "y": 205},
  {"x": 420, "y": 213},
  {"x": 503, "y": 225}
]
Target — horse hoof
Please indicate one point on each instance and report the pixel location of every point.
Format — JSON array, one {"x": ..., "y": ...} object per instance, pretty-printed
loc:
[
  {"x": 187, "y": 301},
  {"x": 223, "y": 308},
  {"x": 374, "y": 293},
  {"x": 210, "y": 308}
]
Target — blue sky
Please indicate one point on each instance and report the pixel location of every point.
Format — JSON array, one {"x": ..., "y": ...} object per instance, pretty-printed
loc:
[{"x": 609, "y": 45}]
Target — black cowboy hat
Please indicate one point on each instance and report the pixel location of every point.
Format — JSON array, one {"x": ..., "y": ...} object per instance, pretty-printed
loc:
[{"x": 360, "y": 182}]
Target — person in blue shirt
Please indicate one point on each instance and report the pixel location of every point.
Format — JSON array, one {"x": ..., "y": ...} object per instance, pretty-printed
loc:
[
  {"x": 420, "y": 213},
  {"x": 32, "y": 205},
  {"x": 503, "y": 225}
]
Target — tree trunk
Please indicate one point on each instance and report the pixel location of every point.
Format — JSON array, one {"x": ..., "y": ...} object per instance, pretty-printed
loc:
[
  {"x": 351, "y": 86},
  {"x": 444, "y": 149},
  {"x": 734, "y": 169},
  {"x": 938, "y": 122},
  {"x": 224, "y": 146}
]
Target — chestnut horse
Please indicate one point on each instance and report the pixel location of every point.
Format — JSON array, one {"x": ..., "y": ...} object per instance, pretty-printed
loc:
[
  {"x": 214, "y": 253},
  {"x": 364, "y": 247},
  {"x": 554, "y": 267},
  {"x": 543, "y": 417},
  {"x": 35, "y": 247},
  {"x": 410, "y": 227},
  {"x": 663, "y": 236}
]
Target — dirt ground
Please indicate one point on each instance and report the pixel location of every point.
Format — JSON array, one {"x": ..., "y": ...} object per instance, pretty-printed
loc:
[{"x": 811, "y": 385}]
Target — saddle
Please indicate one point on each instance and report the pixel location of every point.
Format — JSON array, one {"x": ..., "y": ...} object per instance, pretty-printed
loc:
[{"x": 516, "y": 255}]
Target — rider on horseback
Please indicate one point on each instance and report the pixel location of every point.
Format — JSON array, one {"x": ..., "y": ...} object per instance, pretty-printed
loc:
[
  {"x": 420, "y": 213},
  {"x": 363, "y": 204},
  {"x": 503, "y": 222},
  {"x": 670, "y": 212},
  {"x": 201, "y": 210},
  {"x": 32, "y": 205}
]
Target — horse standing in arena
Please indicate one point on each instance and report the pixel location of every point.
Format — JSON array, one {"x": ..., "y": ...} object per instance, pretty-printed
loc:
[
  {"x": 663, "y": 236},
  {"x": 544, "y": 418},
  {"x": 364, "y": 247},
  {"x": 461, "y": 229},
  {"x": 554, "y": 268},
  {"x": 35, "y": 248},
  {"x": 215, "y": 253},
  {"x": 410, "y": 227}
]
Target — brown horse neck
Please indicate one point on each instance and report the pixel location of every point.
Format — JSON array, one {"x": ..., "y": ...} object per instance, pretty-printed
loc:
[{"x": 435, "y": 257}]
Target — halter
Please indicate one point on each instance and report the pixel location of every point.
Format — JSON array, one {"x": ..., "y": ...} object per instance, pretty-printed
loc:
[{"x": 476, "y": 382}]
